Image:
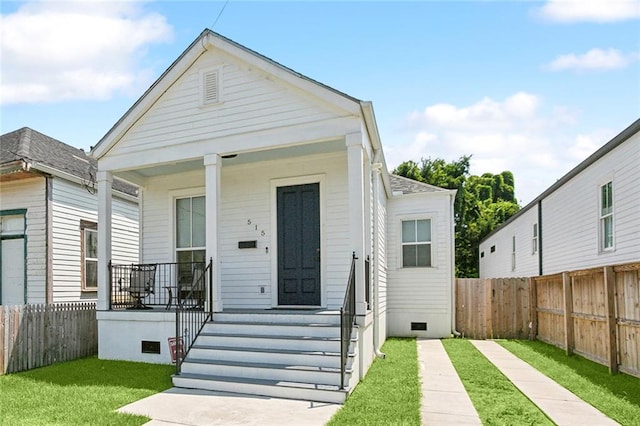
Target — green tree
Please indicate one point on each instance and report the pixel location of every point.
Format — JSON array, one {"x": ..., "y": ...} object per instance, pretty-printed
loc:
[{"x": 482, "y": 202}]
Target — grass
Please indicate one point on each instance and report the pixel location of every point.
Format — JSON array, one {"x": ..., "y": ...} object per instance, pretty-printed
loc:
[
  {"x": 617, "y": 396},
  {"x": 496, "y": 399},
  {"x": 85, "y": 391},
  {"x": 390, "y": 392}
]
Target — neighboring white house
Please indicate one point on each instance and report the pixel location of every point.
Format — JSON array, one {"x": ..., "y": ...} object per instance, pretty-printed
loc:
[
  {"x": 48, "y": 217},
  {"x": 280, "y": 180},
  {"x": 589, "y": 218}
]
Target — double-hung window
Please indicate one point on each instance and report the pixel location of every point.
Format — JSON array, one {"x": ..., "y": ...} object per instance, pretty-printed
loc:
[
  {"x": 89, "y": 241},
  {"x": 416, "y": 243},
  {"x": 534, "y": 239},
  {"x": 606, "y": 216}
]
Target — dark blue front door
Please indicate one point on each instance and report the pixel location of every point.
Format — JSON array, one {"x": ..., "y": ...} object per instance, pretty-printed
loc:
[{"x": 299, "y": 245}]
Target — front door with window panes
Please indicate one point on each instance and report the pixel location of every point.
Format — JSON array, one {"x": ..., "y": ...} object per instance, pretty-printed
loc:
[{"x": 190, "y": 236}]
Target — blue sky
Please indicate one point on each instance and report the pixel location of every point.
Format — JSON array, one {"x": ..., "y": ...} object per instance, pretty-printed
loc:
[{"x": 531, "y": 87}]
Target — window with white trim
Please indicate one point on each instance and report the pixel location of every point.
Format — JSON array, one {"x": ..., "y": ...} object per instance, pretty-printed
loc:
[
  {"x": 416, "y": 243},
  {"x": 606, "y": 216},
  {"x": 190, "y": 229},
  {"x": 534, "y": 239},
  {"x": 89, "y": 254}
]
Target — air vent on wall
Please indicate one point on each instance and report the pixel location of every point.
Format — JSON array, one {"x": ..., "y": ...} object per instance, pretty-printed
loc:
[{"x": 211, "y": 85}]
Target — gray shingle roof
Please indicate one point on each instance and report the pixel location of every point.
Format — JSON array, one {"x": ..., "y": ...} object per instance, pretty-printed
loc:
[
  {"x": 410, "y": 186},
  {"x": 36, "y": 148}
]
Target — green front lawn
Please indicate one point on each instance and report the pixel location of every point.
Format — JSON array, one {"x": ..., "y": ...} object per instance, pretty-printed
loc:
[
  {"x": 390, "y": 392},
  {"x": 85, "y": 391},
  {"x": 617, "y": 396}
]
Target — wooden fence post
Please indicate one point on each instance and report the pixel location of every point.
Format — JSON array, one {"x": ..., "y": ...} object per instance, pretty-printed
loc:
[
  {"x": 610, "y": 310},
  {"x": 533, "y": 309},
  {"x": 568, "y": 319},
  {"x": 488, "y": 308}
]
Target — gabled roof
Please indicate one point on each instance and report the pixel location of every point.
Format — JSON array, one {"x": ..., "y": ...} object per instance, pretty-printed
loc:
[
  {"x": 601, "y": 152},
  {"x": 49, "y": 155},
  {"x": 410, "y": 186},
  {"x": 206, "y": 41}
]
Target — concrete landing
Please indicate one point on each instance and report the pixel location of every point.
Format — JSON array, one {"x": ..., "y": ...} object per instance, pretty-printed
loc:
[
  {"x": 560, "y": 405},
  {"x": 444, "y": 399}
]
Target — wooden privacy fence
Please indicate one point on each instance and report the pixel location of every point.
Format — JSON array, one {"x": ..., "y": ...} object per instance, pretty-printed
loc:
[
  {"x": 493, "y": 308},
  {"x": 592, "y": 312},
  {"x": 38, "y": 335}
]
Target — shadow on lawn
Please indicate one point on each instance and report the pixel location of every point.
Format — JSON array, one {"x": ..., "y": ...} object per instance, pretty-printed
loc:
[
  {"x": 621, "y": 385},
  {"x": 95, "y": 372}
]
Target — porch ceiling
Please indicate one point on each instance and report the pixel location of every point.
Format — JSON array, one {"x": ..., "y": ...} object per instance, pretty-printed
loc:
[{"x": 240, "y": 158}]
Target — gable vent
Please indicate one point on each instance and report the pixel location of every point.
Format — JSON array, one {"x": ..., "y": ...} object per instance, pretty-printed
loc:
[{"x": 211, "y": 87}]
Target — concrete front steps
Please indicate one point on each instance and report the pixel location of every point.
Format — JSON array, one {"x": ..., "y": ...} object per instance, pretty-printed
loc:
[{"x": 282, "y": 354}]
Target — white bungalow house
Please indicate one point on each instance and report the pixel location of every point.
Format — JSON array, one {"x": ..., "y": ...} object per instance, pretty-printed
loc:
[
  {"x": 48, "y": 218},
  {"x": 589, "y": 218},
  {"x": 274, "y": 242}
]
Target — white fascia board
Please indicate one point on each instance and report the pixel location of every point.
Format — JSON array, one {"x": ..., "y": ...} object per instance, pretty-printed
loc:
[
  {"x": 374, "y": 137},
  {"x": 147, "y": 100},
  {"x": 302, "y": 134},
  {"x": 289, "y": 76},
  {"x": 434, "y": 194},
  {"x": 75, "y": 179}
]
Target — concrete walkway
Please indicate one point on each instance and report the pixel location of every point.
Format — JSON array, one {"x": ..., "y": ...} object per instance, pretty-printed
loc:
[
  {"x": 560, "y": 405},
  {"x": 205, "y": 408},
  {"x": 444, "y": 399}
]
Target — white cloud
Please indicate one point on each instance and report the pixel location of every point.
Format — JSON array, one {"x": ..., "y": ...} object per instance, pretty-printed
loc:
[
  {"x": 590, "y": 10},
  {"x": 519, "y": 133},
  {"x": 54, "y": 51},
  {"x": 594, "y": 59}
]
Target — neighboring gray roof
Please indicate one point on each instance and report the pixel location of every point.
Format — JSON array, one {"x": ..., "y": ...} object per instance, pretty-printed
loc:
[
  {"x": 605, "y": 149},
  {"x": 410, "y": 186},
  {"x": 36, "y": 148}
]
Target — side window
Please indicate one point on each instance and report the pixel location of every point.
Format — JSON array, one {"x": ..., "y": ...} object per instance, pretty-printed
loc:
[
  {"x": 534, "y": 239},
  {"x": 513, "y": 253},
  {"x": 606, "y": 216},
  {"x": 416, "y": 243},
  {"x": 89, "y": 241}
]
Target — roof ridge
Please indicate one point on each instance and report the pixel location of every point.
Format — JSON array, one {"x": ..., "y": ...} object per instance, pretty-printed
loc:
[{"x": 25, "y": 143}]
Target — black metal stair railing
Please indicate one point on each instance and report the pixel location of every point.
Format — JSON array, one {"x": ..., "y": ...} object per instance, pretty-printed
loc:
[
  {"x": 194, "y": 310},
  {"x": 347, "y": 319}
]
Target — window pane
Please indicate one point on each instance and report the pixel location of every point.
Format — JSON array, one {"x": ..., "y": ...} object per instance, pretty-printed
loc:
[
  {"x": 408, "y": 231},
  {"x": 424, "y": 255},
  {"x": 424, "y": 230},
  {"x": 607, "y": 232},
  {"x": 12, "y": 224},
  {"x": 90, "y": 273},
  {"x": 91, "y": 244},
  {"x": 183, "y": 222},
  {"x": 409, "y": 256},
  {"x": 198, "y": 216}
]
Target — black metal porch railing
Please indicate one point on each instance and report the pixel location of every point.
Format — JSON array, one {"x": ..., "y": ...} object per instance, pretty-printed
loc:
[
  {"x": 191, "y": 318},
  {"x": 155, "y": 286},
  {"x": 347, "y": 318}
]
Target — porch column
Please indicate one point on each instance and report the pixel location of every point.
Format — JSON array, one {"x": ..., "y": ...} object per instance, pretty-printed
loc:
[
  {"x": 212, "y": 164},
  {"x": 355, "y": 164},
  {"x": 105, "y": 179}
]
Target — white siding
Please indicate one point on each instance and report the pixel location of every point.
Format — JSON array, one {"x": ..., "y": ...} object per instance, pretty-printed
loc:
[
  {"x": 246, "y": 195},
  {"x": 381, "y": 258},
  {"x": 30, "y": 194},
  {"x": 498, "y": 263},
  {"x": 71, "y": 204},
  {"x": 420, "y": 294},
  {"x": 252, "y": 101},
  {"x": 570, "y": 219}
]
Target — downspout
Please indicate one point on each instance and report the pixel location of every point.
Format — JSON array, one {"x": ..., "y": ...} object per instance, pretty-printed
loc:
[
  {"x": 376, "y": 168},
  {"x": 48, "y": 184},
  {"x": 455, "y": 332},
  {"x": 540, "y": 269}
]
